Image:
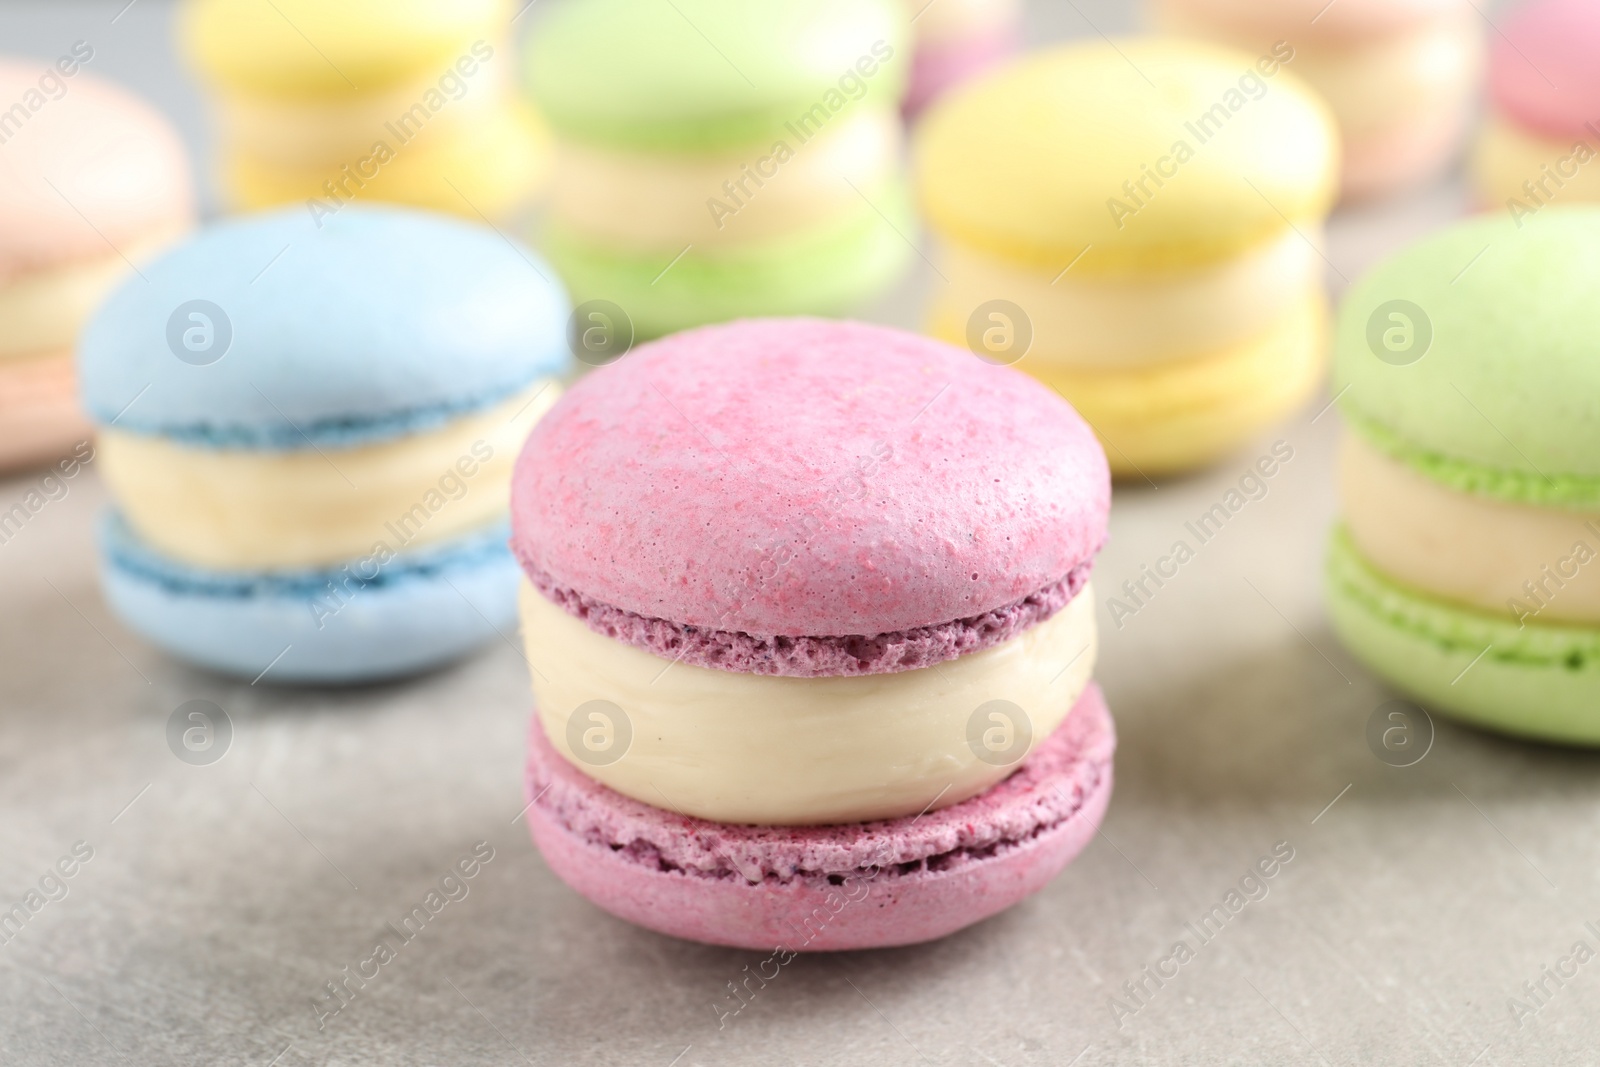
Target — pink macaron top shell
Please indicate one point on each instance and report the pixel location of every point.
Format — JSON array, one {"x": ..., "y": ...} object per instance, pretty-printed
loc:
[
  {"x": 1544, "y": 67},
  {"x": 1303, "y": 21},
  {"x": 86, "y": 168},
  {"x": 807, "y": 477}
]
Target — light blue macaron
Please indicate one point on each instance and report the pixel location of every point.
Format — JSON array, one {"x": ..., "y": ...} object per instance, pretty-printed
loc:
[{"x": 273, "y": 333}]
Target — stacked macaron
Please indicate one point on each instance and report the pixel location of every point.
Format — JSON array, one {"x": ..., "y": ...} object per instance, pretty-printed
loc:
[
  {"x": 955, "y": 40},
  {"x": 92, "y": 181},
  {"x": 811, "y": 639},
  {"x": 720, "y": 158},
  {"x": 1542, "y": 136},
  {"x": 1465, "y": 569},
  {"x": 308, "y": 432},
  {"x": 409, "y": 101},
  {"x": 1140, "y": 220},
  {"x": 1400, "y": 75}
]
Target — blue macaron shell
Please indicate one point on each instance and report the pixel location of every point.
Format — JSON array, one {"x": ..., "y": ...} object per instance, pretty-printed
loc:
[
  {"x": 417, "y": 611},
  {"x": 280, "y": 331}
]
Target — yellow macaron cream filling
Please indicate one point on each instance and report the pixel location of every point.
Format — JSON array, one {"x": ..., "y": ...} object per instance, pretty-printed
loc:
[
  {"x": 1518, "y": 560},
  {"x": 1099, "y": 322},
  {"x": 772, "y": 750},
  {"x": 233, "y": 509},
  {"x": 661, "y": 202}
]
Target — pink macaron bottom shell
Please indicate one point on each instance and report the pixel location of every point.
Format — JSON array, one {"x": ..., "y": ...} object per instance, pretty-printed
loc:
[
  {"x": 40, "y": 418},
  {"x": 1403, "y": 156},
  {"x": 812, "y": 657},
  {"x": 937, "y": 68},
  {"x": 827, "y": 888}
]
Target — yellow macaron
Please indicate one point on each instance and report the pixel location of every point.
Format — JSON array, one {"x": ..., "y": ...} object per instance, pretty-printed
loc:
[
  {"x": 287, "y": 48},
  {"x": 1146, "y": 212}
]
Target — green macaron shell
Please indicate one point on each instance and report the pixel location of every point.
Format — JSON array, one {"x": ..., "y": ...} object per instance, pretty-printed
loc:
[
  {"x": 821, "y": 271},
  {"x": 701, "y": 75},
  {"x": 1505, "y": 400},
  {"x": 1539, "y": 680}
]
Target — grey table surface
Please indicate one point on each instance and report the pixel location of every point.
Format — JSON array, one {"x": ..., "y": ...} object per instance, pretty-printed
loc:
[{"x": 220, "y": 899}]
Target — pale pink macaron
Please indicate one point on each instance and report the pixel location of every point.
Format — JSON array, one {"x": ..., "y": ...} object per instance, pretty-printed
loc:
[
  {"x": 1401, "y": 76},
  {"x": 812, "y": 500},
  {"x": 92, "y": 180},
  {"x": 1544, "y": 69},
  {"x": 957, "y": 40}
]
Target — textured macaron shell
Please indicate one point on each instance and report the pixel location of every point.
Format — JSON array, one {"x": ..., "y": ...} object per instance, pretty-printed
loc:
[
  {"x": 1296, "y": 20},
  {"x": 85, "y": 167},
  {"x": 316, "y": 47},
  {"x": 1544, "y": 67},
  {"x": 361, "y": 326},
  {"x": 1538, "y": 680},
  {"x": 1030, "y": 162},
  {"x": 803, "y": 477},
  {"x": 1503, "y": 400},
  {"x": 701, "y": 74},
  {"x": 417, "y": 611},
  {"x": 827, "y": 888}
]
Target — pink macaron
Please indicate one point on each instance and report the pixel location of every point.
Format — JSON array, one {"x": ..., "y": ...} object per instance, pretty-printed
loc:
[
  {"x": 1540, "y": 140},
  {"x": 92, "y": 181},
  {"x": 957, "y": 40},
  {"x": 1544, "y": 68},
  {"x": 806, "y": 615},
  {"x": 1401, "y": 76}
]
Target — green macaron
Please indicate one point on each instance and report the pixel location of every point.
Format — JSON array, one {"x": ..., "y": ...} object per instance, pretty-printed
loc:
[
  {"x": 697, "y": 75},
  {"x": 1468, "y": 373}
]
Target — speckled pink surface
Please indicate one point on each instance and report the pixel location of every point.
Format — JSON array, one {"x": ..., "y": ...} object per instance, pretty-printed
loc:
[
  {"x": 1299, "y": 21},
  {"x": 801, "y": 477},
  {"x": 826, "y": 888},
  {"x": 85, "y": 168},
  {"x": 1544, "y": 68},
  {"x": 937, "y": 68}
]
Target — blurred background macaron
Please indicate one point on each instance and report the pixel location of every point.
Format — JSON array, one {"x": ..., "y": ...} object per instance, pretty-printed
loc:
[
  {"x": 1466, "y": 570},
  {"x": 957, "y": 40},
  {"x": 1541, "y": 137},
  {"x": 1136, "y": 224},
  {"x": 93, "y": 181},
  {"x": 411, "y": 102},
  {"x": 1400, "y": 75},
  {"x": 725, "y": 158},
  {"x": 307, "y": 428},
  {"x": 808, "y": 613}
]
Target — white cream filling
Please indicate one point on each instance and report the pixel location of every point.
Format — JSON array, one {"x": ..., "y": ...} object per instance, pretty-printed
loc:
[
  {"x": 747, "y": 748},
  {"x": 235, "y": 509},
  {"x": 324, "y": 131},
  {"x": 41, "y": 311},
  {"x": 657, "y": 201},
  {"x": 1110, "y": 323},
  {"x": 1514, "y": 560}
]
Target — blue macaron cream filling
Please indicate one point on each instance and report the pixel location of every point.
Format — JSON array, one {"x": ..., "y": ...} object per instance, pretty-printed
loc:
[{"x": 273, "y": 334}]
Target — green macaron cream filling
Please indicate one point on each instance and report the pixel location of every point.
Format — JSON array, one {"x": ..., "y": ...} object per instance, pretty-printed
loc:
[
  {"x": 1473, "y": 357},
  {"x": 1538, "y": 680},
  {"x": 702, "y": 75}
]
